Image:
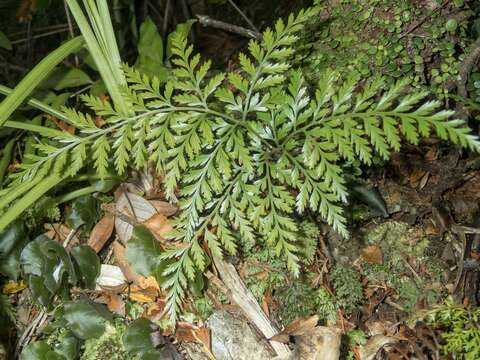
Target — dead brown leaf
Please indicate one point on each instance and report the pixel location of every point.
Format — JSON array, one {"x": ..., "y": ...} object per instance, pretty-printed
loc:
[
  {"x": 261, "y": 274},
  {"x": 145, "y": 290},
  {"x": 101, "y": 233},
  {"x": 187, "y": 332},
  {"x": 415, "y": 177},
  {"x": 158, "y": 224},
  {"x": 431, "y": 154},
  {"x": 63, "y": 125},
  {"x": 25, "y": 10},
  {"x": 295, "y": 328},
  {"x": 119, "y": 252},
  {"x": 424, "y": 180},
  {"x": 134, "y": 208},
  {"x": 148, "y": 283},
  {"x": 155, "y": 311},
  {"x": 265, "y": 304},
  {"x": 164, "y": 208},
  {"x": 59, "y": 232},
  {"x": 113, "y": 301},
  {"x": 141, "y": 296},
  {"x": 372, "y": 254}
]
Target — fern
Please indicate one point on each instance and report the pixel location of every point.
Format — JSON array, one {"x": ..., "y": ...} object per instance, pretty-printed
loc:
[{"x": 242, "y": 152}]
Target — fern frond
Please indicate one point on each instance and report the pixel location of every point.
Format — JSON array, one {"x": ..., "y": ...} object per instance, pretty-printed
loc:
[{"x": 243, "y": 152}]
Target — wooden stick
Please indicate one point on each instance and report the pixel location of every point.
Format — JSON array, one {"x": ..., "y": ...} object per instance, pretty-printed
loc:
[
  {"x": 239, "y": 294},
  {"x": 208, "y": 21}
]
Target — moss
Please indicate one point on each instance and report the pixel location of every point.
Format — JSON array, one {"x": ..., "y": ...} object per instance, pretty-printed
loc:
[
  {"x": 109, "y": 346},
  {"x": 373, "y": 37},
  {"x": 348, "y": 288},
  {"x": 400, "y": 242},
  {"x": 300, "y": 299}
]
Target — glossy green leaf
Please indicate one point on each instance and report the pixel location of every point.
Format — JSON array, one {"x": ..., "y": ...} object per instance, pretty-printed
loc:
[
  {"x": 70, "y": 78},
  {"x": 87, "y": 264},
  {"x": 85, "y": 211},
  {"x": 5, "y": 42},
  {"x": 12, "y": 241},
  {"x": 85, "y": 318},
  {"x": 40, "y": 350},
  {"x": 40, "y": 293},
  {"x": 49, "y": 260},
  {"x": 150, "y": 51},
  {"x": 69, "y": 347},
  {"x": 143, "y": 251},
  {"x": 137, "y": 339}
]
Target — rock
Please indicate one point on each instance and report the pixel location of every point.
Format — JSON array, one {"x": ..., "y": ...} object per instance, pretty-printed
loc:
[{"x": 232, "y": 339}]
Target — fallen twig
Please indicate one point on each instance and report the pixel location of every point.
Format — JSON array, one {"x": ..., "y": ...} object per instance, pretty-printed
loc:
[
  {"x": 239, "y": 294},
  {"x": 242, "y": 14},
  {"x": 208, "y": 21},
  {"x": 466, "y": 67}
]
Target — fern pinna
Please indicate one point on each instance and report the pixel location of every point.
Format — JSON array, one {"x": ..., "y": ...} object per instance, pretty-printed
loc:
[{"x": 245, "y": 150}]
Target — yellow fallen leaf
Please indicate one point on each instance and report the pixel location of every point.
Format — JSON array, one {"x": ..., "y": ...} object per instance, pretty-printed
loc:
[
  {"x": 148, "y": 283},
  {"x": 13, "y": 287},
  {"x": 141, "y": 297}
]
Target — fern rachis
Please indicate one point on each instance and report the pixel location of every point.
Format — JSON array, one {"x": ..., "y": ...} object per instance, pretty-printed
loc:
[{"x": 245, "y": 159}]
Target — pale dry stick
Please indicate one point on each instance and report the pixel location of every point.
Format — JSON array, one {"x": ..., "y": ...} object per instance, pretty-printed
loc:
[
  {"x": 110, "y": 253},
  {"x": 461, "y": 232},
  {"x": 38, "y": 30},
  {"x": 165, "y": 21},
  {"x": 30, "y": 333},
  {"x": 393, "y": 304},
  {"x": 208, "y": 21},
  {"x": 70, "y": 236},
  {"x": 240, "y": 295},
  {"x": 39, "y": 36},
  {"x": 70, "y": 29},
  {"x": 242, "y": 14},
  {"x": 412, "y": 270},
  {"x": 466, "y": 67},
  {"x": 421, "y": 21}
]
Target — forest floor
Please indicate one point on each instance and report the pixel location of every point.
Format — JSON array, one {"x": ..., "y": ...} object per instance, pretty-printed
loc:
[{"x": 406, "y": 285}]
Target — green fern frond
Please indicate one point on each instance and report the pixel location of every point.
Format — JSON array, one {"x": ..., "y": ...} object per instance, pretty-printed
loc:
[{"x": 243, "y": 152}]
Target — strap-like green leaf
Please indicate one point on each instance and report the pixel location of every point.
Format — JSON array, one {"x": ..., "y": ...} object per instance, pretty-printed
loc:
[{"x": 28, "y": 84}]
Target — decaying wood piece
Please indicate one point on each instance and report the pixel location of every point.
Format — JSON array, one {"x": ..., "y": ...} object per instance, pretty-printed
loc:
[
  {"x": 321, "y": 343},
  {"x": 374, "y": 344},
  {"x": 240, "y": 295}
]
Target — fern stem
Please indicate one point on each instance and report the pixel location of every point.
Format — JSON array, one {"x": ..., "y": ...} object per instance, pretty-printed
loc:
[
  {"x": 353, "y": 115},
  {"x": 207, "y": 221}
]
